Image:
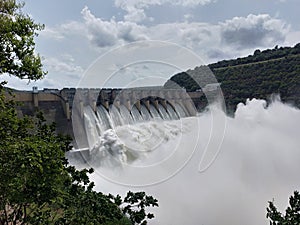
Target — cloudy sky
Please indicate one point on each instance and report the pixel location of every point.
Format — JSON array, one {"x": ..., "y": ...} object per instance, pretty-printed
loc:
[{"x": 78, "y": 32}]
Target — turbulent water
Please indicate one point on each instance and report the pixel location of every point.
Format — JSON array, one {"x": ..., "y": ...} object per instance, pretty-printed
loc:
[{"x": 258, "y": 161}]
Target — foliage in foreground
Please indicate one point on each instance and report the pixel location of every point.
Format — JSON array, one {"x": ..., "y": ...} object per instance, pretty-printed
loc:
[
  {"x": 292, "y": 213},
  {"x": 38, "y": 186},
  {"x": 17, "y": 46}
]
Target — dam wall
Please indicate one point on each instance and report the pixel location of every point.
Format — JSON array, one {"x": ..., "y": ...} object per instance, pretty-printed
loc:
[
  {"x": 54, "y": 107},
  {"x": 58, "y": 105}
]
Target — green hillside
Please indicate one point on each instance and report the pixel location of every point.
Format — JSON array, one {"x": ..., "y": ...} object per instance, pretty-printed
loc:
[{"x": 272, "y": 71}]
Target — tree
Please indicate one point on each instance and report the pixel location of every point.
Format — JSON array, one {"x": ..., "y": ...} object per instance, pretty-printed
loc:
[
  {"x": 17, "y": 32},
  {"x": 37, "y": 184},
  {"x": 257, "y": 52},
  {"x": 134, "y": 205},
  {"x": 292, "y": 213}
]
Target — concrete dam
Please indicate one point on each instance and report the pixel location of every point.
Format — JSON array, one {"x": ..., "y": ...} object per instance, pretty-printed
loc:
[{"x": 73, "y": 109}]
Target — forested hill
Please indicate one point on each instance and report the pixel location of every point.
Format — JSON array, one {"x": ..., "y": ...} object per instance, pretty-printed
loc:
[{"x": 272, "y": 71}]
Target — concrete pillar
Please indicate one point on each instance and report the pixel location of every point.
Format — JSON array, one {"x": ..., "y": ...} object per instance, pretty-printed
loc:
[
  {"x": 68, "y": 114},
  {"x": 94, "y": 106},
  {"x": 92, "y": 97},
  {"x": 147, "y": 104},
  {"x": 113, "y": 94},
  {"x": 164, "y": 103},
  {"x": 35, "y": 97},
  {"x": 117, "y": 103},
  {"x": 101, "y": 96},
  {"x": 128, "y": 105},
  {"x": 132, "y": 96},
  {"x": 155, "y": 103},
  {"x": 138, "y": 105},
  {"x": 81, "y": 109},
  {"x": 106, "y": 104}
]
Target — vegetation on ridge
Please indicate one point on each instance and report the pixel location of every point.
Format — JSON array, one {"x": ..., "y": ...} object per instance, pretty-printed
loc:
[{"x": 272, "y": 71}]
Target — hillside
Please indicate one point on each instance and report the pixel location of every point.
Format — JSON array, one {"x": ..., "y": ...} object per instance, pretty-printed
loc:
[{"x": 272, "y": 71}]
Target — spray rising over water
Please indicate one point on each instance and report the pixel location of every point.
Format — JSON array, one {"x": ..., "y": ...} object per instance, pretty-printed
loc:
[
  {"x": 199, "y": 173},
  {"x": 258, "y": 161}
]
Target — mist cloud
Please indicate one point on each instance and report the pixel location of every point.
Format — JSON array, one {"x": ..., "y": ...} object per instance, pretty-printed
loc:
[{"x": 258, "y": 162}]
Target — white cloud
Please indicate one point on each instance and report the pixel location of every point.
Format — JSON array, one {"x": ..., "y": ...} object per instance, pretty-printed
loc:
[
  {"x": 189, "y": 2},
  {"x": 52, "y": 33},
  {"x": 253, "y": 31},
  {"x": 64, "y": 31},
  {"x": 135, "y": 14},
  {"x": 212, "y": 42},
  {"x": 72, "y": 27},
  {"x": 292, "y": 38},
  {"x": 222, "y": 39},
  {"x": 65, "y": 66},
  {"x": 231, "y": 38},
  {"x": 196, "y": 36},
  {"x": 108, "y": 33},
  {"x": 188, "y": 17},
  {"x": 146, "y": 3},
  {"x": 135, "y": 9}
]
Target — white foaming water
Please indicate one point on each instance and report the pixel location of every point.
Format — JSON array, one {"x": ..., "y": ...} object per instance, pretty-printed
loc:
[{"x": 258, "y": 161}]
